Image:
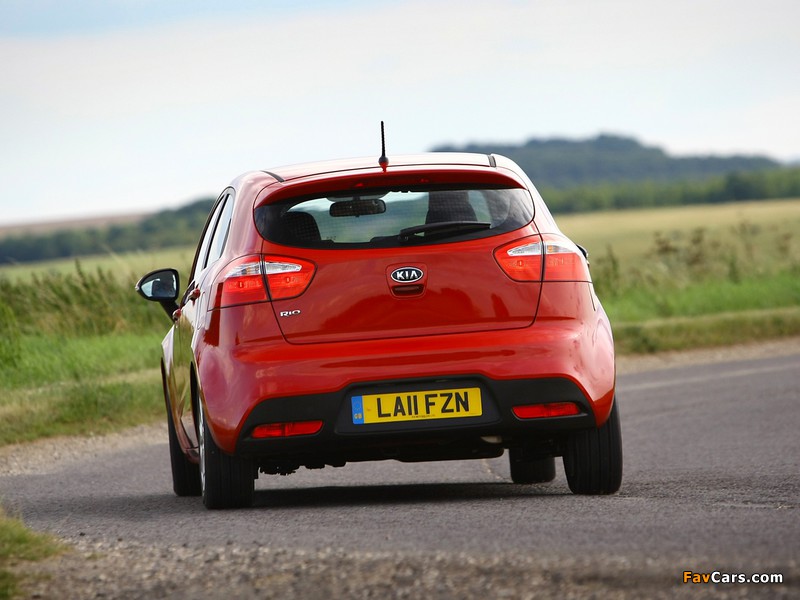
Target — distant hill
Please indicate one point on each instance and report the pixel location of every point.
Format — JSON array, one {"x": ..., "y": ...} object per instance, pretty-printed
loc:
[
  {"x": 165, "y": 229},
  {"x": 45, "y": 227},
  {"x": 563, "y": 163},
  {"x": 602, "y": 173}
]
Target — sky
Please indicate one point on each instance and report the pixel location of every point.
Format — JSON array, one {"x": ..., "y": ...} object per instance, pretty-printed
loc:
[{"x": 112, "y": 107}]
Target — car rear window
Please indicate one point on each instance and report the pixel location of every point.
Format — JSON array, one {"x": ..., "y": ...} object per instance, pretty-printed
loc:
[{"x": 380, "y": 218}]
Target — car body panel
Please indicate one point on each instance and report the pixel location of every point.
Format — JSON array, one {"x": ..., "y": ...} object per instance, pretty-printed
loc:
[
  {"x": 266, "y": 367},
  {"x": 360, "y": 301}
]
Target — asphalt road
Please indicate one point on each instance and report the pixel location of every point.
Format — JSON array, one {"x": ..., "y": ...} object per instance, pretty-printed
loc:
[{"x": 711, "y": 483}]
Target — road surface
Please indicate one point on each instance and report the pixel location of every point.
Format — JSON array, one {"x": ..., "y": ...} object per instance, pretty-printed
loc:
[{"x": 711, "y": 486}]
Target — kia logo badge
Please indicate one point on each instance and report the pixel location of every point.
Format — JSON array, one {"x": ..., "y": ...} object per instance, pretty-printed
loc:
[{"x": 407, "y": 275}]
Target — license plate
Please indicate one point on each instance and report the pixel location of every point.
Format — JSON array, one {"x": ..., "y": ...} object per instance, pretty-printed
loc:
[{"x": 416, "y": 406}]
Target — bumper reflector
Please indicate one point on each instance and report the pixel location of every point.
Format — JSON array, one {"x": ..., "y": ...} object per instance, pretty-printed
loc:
[
  {"x": 542, "y": 411},
  {"x": 278, "y": 430}
]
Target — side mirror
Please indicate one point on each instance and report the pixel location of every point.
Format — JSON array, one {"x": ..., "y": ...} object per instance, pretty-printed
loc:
[{"x": 161, "y": 286}]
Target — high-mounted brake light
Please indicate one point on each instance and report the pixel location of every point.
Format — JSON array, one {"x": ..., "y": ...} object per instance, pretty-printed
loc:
[
  {"x": 287, "y": 277},
  {"x": 548, "y": 257},
  {"x": 288, "y": 429}
]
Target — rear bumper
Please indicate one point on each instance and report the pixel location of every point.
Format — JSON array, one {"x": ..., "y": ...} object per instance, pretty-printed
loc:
[
  {"x": 340, "y": 440},
  {"x": 252, "y": 376}
]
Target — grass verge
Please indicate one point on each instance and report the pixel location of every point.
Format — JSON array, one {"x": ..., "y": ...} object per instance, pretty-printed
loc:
[
  {"x": 704, "y": 298},
  {"x": 81, "y": 408},
  {"x": 78, "y": 385},
  {"x": 706, "y": 331},
  {"x": 40, "y": 360},
  {"x": 17, "y": 542},
  {"x": 52, "y": 386}
]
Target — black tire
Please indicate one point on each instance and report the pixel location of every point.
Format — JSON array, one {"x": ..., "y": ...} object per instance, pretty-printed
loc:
[
  {"x": 226, "y": 481},
  {"x": 537, "y": 470},
  {"x": 185, "y": 473},
  {"x": 593, "y": 458}
]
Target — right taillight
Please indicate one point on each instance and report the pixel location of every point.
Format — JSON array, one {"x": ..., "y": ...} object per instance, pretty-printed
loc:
[
  {"x": 548, "y": 257},
  {"x": 288, "y": 429},
  {"x": 546, "y": 411},
  {"x": 563, "y": 260}
]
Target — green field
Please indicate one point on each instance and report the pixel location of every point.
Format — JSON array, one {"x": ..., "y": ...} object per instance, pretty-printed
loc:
[
  {"x": 769, "y": 224},
  {"x": 125, "y": 267},
  {"x": 695, "y": 276}
]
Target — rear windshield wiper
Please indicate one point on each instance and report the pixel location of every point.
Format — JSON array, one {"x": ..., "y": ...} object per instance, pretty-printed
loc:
[{"x": 441, "y": 229}]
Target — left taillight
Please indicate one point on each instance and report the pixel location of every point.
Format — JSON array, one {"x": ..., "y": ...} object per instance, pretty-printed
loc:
[
  {"x": 260, "y": 278},
  {"x": 241, "y": 282}
]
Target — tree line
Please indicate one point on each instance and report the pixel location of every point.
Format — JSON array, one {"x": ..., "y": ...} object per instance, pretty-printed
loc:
[
  {"x": 562, "y": 163},
  {"x": 734, "y": 187},
  {"x": 165, "y": 229},
  {"x": 603, "y": 173}
]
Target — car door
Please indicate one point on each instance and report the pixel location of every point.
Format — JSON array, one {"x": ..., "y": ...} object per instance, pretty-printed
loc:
[{"x": 189, "y": 314}]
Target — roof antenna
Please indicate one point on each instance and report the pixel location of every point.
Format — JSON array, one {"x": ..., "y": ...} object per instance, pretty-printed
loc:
[{"x": 383, "y": 161}]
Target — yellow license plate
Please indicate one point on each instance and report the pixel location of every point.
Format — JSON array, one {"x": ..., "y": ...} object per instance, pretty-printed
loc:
[{"x": 416, "y": 406}]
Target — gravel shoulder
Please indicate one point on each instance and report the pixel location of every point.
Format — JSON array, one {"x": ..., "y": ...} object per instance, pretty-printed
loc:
[
  {"x": 135, "y": 572},
  {"x": 128, "y": 570},
  {"x": 668, "y": 360}
]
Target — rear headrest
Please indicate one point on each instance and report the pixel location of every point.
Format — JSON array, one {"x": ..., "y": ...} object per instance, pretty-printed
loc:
[
  {"x": 299, "y": 227},
  {"x": 449, "y": 205}
]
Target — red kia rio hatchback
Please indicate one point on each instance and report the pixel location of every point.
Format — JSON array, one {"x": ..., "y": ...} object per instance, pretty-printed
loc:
[{"x": 423, "y": 309}]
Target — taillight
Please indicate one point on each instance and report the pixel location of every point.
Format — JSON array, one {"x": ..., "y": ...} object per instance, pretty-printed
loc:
[
  {"x": 545, "y": 411},
  {"x": 548, "y": 257},
  {"x": 287, "y": 277},
  {"x": 241, "y": 282},
  {"x": 564, "y": 261},
  {"x": 288, "y": 429},
  {"x": 521, "y": 260}
]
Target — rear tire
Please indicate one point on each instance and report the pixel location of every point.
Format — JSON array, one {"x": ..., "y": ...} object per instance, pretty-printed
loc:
[
  {"x": 185, "y": 473},
  {"x": 593, "y": 458},
  {"x": 537, "y": 470},
  {"x": 226, "y": 481}
]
